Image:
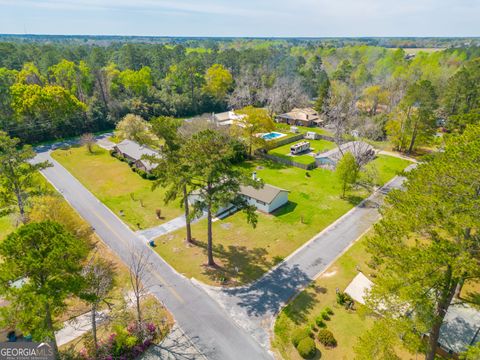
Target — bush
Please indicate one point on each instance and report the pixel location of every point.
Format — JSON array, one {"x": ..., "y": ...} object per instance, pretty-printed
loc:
[
  {"x": 306, "y": 348},
  {"x": 326, "y": 338},
  {"x": 345, "y": 300},
  {"x": 324, "y": 315},
  {"x": 300, "y": 334},
  {"x": 328, "y": 310},
  {"x": 319, "y": 321}
]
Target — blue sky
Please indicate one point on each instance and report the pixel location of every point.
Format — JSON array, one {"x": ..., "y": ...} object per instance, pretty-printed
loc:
[{"x": 242, "y": 17}]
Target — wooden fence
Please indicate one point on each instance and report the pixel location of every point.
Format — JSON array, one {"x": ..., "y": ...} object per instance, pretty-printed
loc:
[{"x": 289, "y": 162}]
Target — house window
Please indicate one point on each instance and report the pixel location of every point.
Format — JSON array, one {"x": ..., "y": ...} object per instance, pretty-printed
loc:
[{"x": 261, "y": 202}]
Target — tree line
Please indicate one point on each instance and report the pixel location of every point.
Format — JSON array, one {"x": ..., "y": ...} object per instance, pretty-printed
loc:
[{"x": 50, "y": 91}]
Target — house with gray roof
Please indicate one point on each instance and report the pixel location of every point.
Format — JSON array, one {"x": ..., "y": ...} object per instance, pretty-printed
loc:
[
  {"x": 266, "y": 199},
  {"x": 134, "y": 152},
  {"x": 357, "y": 148}
]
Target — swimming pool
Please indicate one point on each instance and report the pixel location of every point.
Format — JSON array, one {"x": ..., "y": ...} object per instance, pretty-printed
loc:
[{"x": 272, "y": 135}]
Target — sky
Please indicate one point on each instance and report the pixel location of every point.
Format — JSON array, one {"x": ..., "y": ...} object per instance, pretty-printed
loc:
[{"x": 257, "y": 18}]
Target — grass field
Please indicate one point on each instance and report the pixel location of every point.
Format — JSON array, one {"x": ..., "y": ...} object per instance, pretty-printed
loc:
[
  {"x": 346, "y": 325},
  {"x": 118, "y": 187},
  {"x": 285, "y": 128},
  {"x": 243, "y": 253},
  {"x": 315, "y": 146},
  {"x": 415, "y": 51}
]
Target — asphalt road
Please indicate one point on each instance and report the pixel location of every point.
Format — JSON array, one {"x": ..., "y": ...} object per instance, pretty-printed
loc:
[
  {"x": 240, "y": 327},
  {"x": 255, "y": 306},
  {"x": 210, "y": 328}
]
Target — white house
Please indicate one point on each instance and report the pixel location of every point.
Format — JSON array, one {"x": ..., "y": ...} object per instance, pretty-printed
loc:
[
  {"x": 267, "y": 199},
  {"x": 226, "y": 118}
]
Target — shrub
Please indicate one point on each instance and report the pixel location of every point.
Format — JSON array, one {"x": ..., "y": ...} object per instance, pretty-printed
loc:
[
  {"x": 328, "y": 310},
  {"x": 324, "y": 315},
  {"x": 300, "y": 334},
  {"x": 326, "y": 338},
  {"x": 306, "y": 348},
  {"x": 343, "y": 298},
  {"x": 319, "y": 321}
]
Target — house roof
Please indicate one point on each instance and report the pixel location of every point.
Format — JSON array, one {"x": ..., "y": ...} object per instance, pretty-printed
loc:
[
  {"x": 227, "y": 116},
  {"x": 335, "y": 154},
  {"x": 460, "y": 328},
  {"x": 136, "y": 151},
  {"x": 305, "y": 114},
  {"x": 266, "y": 194}
]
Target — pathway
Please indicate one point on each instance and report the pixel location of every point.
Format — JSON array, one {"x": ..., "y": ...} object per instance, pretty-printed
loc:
[
  {"x": 245, "y": 313},
  {"x": 254, "y": 307},
  {"x": 212, "y": 331}
]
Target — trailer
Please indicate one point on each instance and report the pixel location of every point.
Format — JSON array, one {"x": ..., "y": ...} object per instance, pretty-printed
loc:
[{"x": 300, "y": 147}]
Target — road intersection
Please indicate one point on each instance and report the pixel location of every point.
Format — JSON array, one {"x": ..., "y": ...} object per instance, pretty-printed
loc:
[{"x": 222, "y": 323}]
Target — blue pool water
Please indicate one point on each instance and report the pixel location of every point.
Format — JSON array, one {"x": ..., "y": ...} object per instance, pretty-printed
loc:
[{"x": 272, "y": 135}]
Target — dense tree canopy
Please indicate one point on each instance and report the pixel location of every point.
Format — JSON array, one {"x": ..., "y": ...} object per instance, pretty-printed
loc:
[{"x": 66, "y": 88}]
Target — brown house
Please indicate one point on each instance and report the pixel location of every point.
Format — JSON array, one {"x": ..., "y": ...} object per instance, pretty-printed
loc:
[{"x": 300, "y": 117}]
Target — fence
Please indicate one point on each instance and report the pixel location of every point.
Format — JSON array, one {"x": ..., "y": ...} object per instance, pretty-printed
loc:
[
  {"x": 284, "y": 141},
  {"x": 289, "y": 162}
]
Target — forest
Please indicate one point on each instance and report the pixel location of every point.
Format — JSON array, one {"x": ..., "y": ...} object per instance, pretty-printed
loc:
[{"x": 67, "y": 87}]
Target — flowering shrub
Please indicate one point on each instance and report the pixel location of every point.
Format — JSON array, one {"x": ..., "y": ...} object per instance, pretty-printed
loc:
[{"x": 123, "y": 344}]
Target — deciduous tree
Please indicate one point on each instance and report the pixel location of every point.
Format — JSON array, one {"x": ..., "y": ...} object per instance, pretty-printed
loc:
[{"x": 256, "y": 121}]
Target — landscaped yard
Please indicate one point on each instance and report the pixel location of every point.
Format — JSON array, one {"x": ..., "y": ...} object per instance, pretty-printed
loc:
[
  {"x": 315, "y": 146},
  {"x": 346, "y": 325},
  {"x": 244, "y": 253},
  {"x": 118, "y": 187}
]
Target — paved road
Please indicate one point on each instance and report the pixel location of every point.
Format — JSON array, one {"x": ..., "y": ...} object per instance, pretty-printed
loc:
[
  {"x": 214, "y": 333},
  {"x": 254, "y": 307},
  {"x": 238, "y": 328}
]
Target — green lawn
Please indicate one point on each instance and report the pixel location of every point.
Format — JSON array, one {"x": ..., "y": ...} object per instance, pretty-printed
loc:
[
  {"x": 118, "y": 187},
  {"x": 346, "y": 325},
  {"x": 315, "y": 146},
  {"x": 6, "y": 226},
  {"x": 285, "y": 128},
  {"x": 244, "y": 253}
]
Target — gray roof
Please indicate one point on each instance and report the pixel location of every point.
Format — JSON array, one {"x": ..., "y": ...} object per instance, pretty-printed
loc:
[
  {"x": 460, "y": 328},
  {"x": 266, "y": 194},
  {"x": 335, "y": 154},
  {"x": 136, "y": 151}
]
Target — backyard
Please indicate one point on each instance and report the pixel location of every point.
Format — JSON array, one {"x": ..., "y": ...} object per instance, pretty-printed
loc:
[
  {"x": 346, "y": 325},
  {"x": 243, "y": 253},
  {"x": 118, "y": 187},
  {"x": 315, "y": 146}
]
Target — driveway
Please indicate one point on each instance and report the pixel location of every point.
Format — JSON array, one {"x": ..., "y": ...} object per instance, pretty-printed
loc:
[
  {"x": 224, "y": 323},
  {"x": 255, "y": 306},
  {"x": 208, "y": 326}
]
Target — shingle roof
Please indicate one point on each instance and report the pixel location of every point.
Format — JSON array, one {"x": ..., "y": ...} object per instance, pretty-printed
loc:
[
  {"x": 347, "y": 147},
  {"x": 136, "y": 151},
  {"x": 266, "y": 194},
  {"x": 306, "y": 114}
]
